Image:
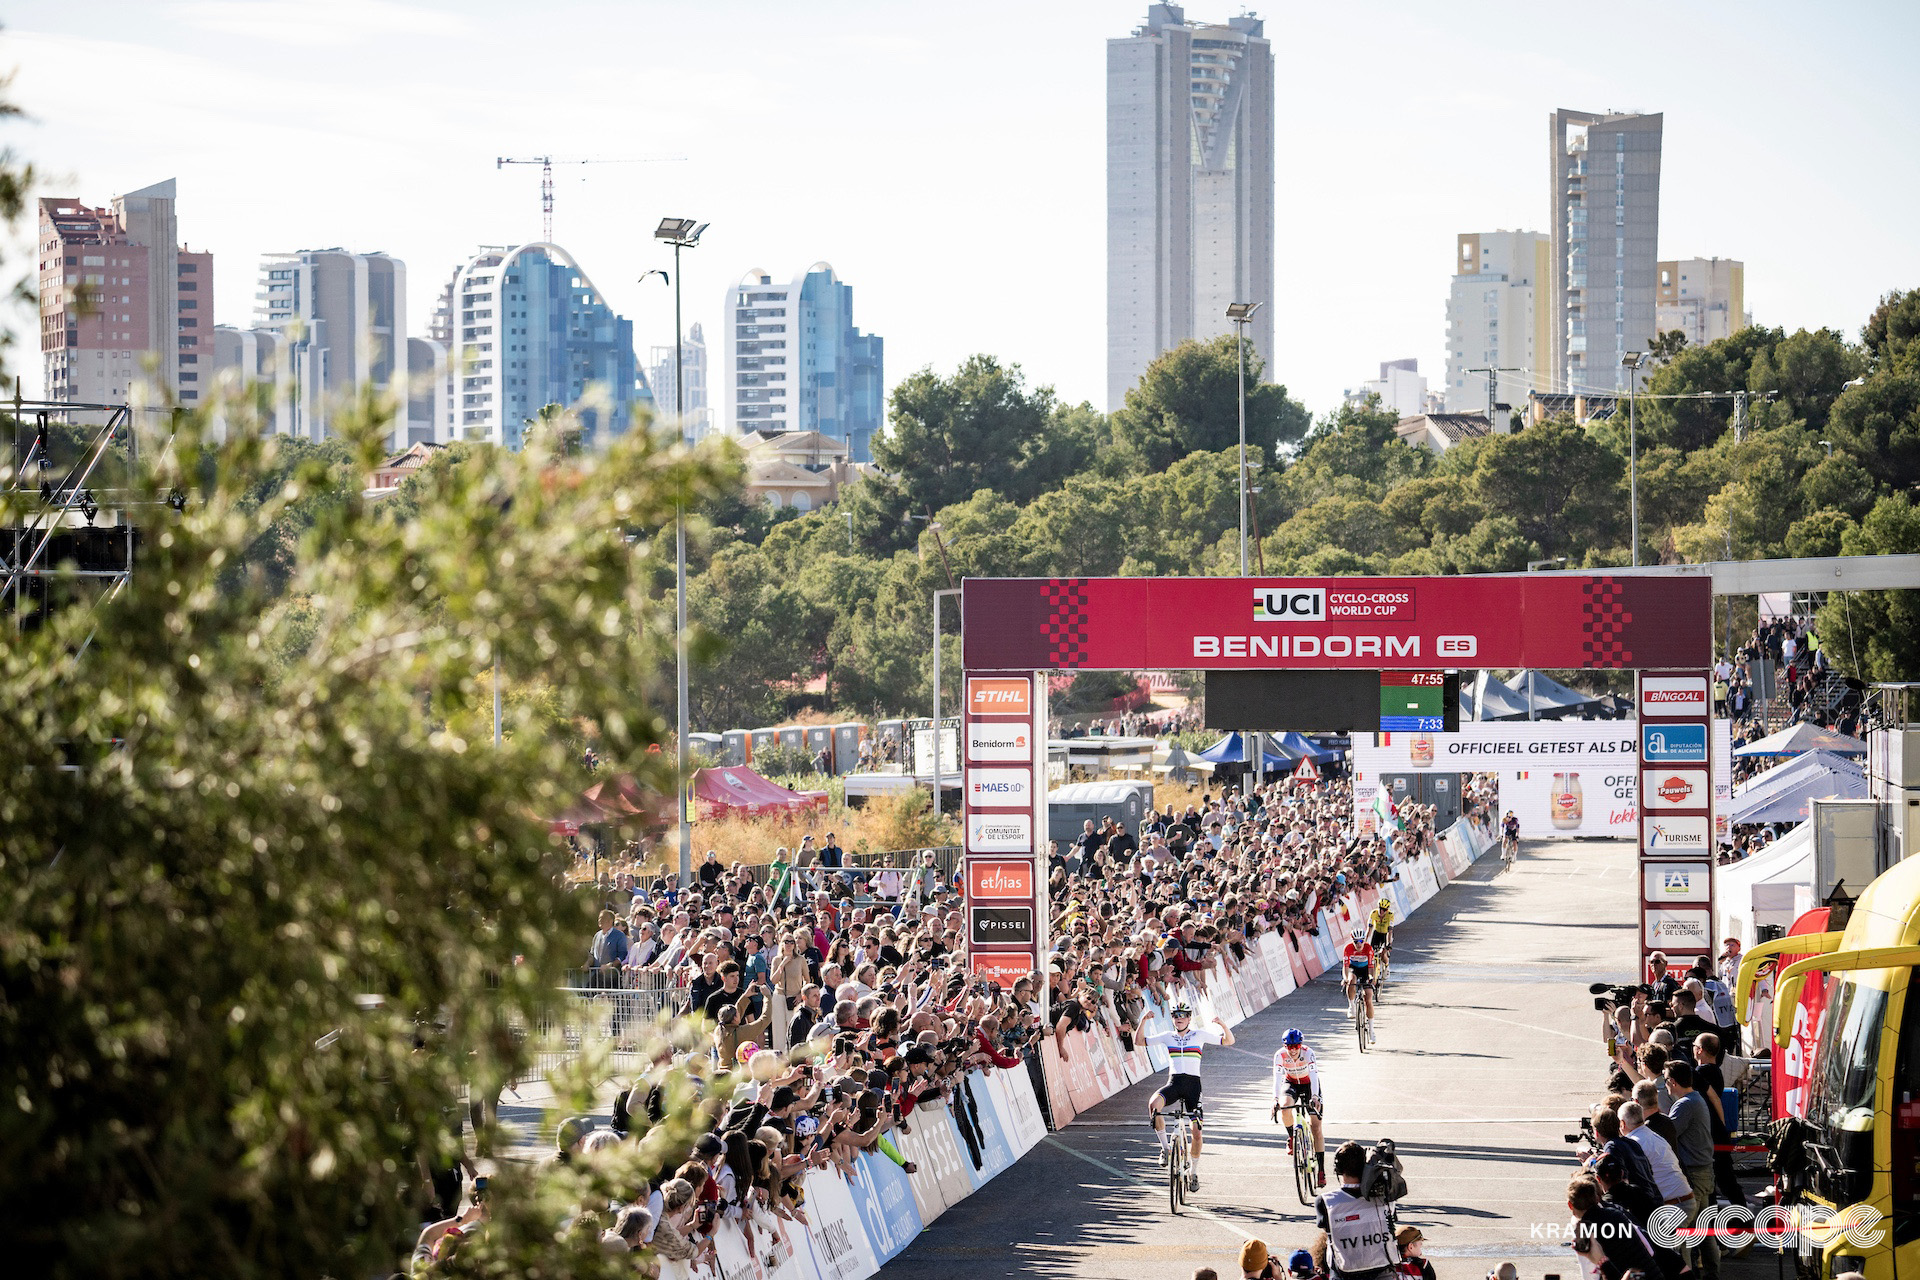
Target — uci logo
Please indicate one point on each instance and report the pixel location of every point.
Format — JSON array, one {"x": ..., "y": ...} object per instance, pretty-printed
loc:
[{"x": 1284, "y": 604}]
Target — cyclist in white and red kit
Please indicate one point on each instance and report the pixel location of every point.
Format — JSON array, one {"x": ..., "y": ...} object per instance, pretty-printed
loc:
[{"x": 1296, "y": 1081}]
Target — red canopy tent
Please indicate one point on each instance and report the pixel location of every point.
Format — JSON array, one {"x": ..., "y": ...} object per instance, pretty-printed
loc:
[
  {"x": 616, "y": 800},
  {"x": 738, "y": 790}
]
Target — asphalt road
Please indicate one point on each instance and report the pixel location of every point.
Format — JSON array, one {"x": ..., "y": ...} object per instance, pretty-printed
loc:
[{"x": 1488, "y": 1050}]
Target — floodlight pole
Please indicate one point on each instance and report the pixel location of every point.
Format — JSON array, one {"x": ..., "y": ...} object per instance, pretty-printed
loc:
[
  {"x": 1632, "y": 362},
  {"x": 1240, "y": 313},
  {"x": 681, "y": 234},
  {"x": 938, "y": 779}
]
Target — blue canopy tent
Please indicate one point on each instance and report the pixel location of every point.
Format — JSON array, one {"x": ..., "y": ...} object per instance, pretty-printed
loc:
[
  {"x": 1796, "y": 767},
  {"x": 1232, "y": 749},
  {"x": 1786, "y": 799},
  {"x": 1495, "y": 701},
  {"x": 1297, "y": 745},
  {"x": 1798, "y": 738},
  {"x": 1547, "y": 697}
]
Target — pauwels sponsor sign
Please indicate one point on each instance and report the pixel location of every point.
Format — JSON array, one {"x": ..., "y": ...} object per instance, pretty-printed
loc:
[
  {"x": 1676, "y": 813},
  {"x": 1004, "y": 822}
]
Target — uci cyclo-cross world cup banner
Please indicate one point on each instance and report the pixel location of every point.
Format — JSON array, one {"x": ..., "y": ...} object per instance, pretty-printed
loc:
[{"x": 1548, "y": 620}]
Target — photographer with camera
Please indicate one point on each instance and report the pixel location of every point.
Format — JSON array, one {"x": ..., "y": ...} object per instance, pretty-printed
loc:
[{"x": 1356, "y": 1228}]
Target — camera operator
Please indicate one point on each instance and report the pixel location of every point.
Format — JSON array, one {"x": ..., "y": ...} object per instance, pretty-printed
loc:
[
  {"x": 1356, "y": 1238},
  {"x": 1605, "y": 1234}
]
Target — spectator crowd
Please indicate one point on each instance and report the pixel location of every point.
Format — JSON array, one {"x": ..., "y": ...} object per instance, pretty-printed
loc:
[{"x": 840, "y": 996}]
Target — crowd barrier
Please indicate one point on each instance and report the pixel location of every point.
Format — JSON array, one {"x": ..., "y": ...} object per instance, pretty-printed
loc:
[{"x": 855, "y": 1226}]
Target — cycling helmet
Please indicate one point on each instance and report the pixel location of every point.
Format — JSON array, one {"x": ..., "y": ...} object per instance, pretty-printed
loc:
[
  {"x": 1181, "y": 1010},
  {"x": 1357, "y": 936},
  {"x": 1293, "y": 1038}
]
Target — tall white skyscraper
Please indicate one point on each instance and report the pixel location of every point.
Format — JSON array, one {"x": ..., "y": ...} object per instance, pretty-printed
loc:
[
  {"x": 792, "y": 360},
  {"x": 1605, "y": 186},
  {"x": 345, "y": 315},
  {"x": 1189, "y": 187},
  {"x": 1704, "y": 298},
  {"x": 1497, "y": 318},
  {"x": 666, "y": 381}
]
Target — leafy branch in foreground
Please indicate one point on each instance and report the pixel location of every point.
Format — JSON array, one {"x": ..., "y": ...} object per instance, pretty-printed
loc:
[{"x": 263, "y": 912}]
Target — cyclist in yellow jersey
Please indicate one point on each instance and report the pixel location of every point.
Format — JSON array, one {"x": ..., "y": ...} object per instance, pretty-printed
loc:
[{"x": 1381, "y": 923}]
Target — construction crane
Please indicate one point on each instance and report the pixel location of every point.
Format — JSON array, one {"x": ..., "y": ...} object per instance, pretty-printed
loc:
[{"x": 546, "y": 164}]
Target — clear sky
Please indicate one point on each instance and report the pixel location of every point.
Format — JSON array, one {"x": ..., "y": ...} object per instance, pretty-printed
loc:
[{"x": 948, "y": 159}]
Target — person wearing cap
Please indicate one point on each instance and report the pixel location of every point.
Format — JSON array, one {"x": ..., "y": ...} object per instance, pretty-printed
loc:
[
  {"x": 1255, "y": 1264},
  {"x": 1413, "y": 1262}
]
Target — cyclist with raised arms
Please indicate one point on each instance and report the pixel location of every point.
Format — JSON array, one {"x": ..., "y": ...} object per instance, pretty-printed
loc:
[
  {"x": 1357, "y": 975},
  {"x": 1183, "y": 1045},
  {"x": 1296, "y": 1082}
]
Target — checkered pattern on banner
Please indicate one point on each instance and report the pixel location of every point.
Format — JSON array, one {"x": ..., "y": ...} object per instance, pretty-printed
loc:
[
  {"x": 1066, "y": 624},
  {"x": 1603, "y": 623}
]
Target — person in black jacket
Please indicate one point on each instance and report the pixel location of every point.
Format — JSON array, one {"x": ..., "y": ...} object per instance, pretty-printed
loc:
[
  {"x": 1638, "y": 1205},
  {"x": 1606, "y": 1235}
]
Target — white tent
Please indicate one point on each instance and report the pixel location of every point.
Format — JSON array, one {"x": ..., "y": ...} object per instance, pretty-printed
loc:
[{"x": 1773, "y": 886}]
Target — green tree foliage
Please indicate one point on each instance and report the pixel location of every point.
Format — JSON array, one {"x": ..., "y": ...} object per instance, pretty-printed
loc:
[
  {"x": 1188, "y": 401},
  {"x": 1876, "y": 634},
  {"x": 982, "y": 428},
  {"x": 267, "y": 904}
]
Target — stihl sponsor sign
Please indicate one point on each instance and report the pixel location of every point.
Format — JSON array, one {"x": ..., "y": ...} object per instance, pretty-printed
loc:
[
  {"x": 999, "y": 697},
  {"x": 1557, "y": 620}
]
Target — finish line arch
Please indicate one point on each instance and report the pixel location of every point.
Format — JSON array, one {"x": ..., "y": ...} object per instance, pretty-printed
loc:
[{"x": 1016, "y": 630}]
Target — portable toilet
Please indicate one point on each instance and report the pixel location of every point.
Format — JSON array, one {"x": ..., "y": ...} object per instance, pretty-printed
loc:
[
  {"x": 706, "y": 744},
  {"x": 846, "y": 746},
  {"x": 820, "y": 744},
  {"x": 762, "y": 740},
  {"x": 734, "y": 748},
  {"x": 794, "y": 736},
  {"x": 893, "y": 743},
  {"x": 1069, "y": 806}
]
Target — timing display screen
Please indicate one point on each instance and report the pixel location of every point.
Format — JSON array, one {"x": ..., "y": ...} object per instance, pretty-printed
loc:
[
  {"x": 1413, "y": 701},
  {"x": 1334, "y": 701}
]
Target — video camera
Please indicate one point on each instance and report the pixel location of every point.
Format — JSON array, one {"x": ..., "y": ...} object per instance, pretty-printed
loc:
[
  {"x": 1607, "y": 995},
  {"x": 1383, "y": 1179},
  {"x": 1586, "y": 1133}
]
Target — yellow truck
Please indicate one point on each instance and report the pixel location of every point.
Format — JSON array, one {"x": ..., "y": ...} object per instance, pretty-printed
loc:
[{"x": 1863, "y": 1099}]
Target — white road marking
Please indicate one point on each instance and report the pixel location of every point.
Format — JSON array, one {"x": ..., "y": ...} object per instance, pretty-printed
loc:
[{"x": 1232, "y": 1229}]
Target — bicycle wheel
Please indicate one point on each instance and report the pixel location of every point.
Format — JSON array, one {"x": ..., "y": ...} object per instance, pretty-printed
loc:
[
  {"x": 1176, "y": 1168},
  {"x": 1302, "y": 1165},
  {"x": 1360, "y": 1019}
]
